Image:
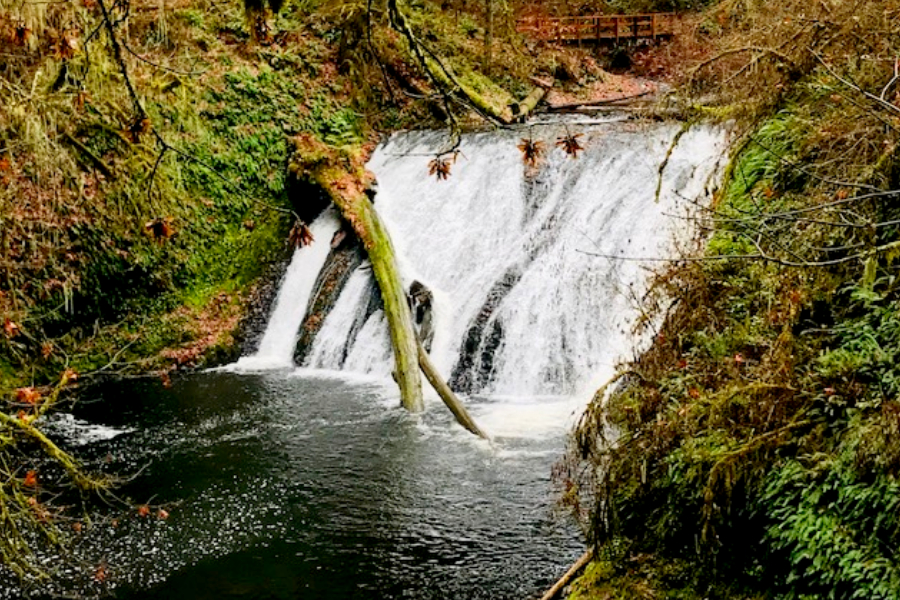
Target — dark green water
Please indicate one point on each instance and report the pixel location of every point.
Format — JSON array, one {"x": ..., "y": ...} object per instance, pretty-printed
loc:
[{"x": 291, "y": 485}]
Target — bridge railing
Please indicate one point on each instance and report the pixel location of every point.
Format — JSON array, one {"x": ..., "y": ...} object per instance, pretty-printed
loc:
[{"x": 598, "y": 27}]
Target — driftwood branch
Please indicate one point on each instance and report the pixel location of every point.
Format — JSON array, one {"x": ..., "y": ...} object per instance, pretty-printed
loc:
[
  {"x": 570, "y": 574},
  {"x": 95, "y": 160},
  {"x": 760, "y": 49},
  {"x": 662, "y": 167},
  {"x": 571, "y": 106},
  {"x": 876, "y": 99}
]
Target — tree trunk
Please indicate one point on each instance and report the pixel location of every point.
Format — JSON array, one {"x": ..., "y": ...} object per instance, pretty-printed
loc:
[
  {"x": 521, "y": 110},
  {"x": 488, "y": 35},
  {"x": 453, "y": 403},
  {"x": 441, "y": 76},
  {"x": 396, "y": 307},
  {"x": 347, "y": 184}
]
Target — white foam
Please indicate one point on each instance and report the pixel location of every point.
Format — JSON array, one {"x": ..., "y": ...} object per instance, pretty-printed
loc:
[{"x": 78, "y": 432}]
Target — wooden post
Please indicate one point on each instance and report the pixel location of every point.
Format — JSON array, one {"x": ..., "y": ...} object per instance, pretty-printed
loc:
[
  {"x": 654, "y": 27},
  {"x": 617, "y": 28},
  {"x": 598, "y": 29}
]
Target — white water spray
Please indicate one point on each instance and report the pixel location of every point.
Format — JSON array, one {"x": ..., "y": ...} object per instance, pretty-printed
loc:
[
  {"x": 276, "y": 349},
  {"x": 522, "y": 308}
]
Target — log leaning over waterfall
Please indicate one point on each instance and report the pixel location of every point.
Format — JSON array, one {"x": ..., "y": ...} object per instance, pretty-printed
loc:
[
  {"x": 453, "y": 403},
  {"x": 378, "y": 245},
  {"x": 347, "y": 183}
]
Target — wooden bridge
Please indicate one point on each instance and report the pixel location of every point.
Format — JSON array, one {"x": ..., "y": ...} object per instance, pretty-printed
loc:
[{"x": 598, "y": 28}]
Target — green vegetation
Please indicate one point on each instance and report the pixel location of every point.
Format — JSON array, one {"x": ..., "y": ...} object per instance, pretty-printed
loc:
[{"x": 754, "y": 444}]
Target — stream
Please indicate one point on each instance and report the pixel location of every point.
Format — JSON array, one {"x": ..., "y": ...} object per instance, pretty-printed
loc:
[{"x": 305, "y": 484}]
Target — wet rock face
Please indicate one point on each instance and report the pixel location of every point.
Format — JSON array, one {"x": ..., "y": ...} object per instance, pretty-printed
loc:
[
  {"x": 252, "y": 325},
  {"x": 421, "y": 303},
  {"x": 484, "y": 336},
  {"x": 345, "y": 257}
]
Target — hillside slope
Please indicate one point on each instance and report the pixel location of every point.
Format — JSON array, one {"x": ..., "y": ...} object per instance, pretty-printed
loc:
[{"x": 753, "y": 450}]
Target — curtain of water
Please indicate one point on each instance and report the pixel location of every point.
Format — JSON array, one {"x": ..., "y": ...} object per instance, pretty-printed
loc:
[
  {"x": 521, "y": 307},
  {"x": 276, "y": 349}
]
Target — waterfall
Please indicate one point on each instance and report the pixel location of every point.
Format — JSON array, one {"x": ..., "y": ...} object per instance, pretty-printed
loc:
[
  {"x": 520, "y": 306},
  {"x": 276, "y": 349},
  {"x": 533, "y": 270}
]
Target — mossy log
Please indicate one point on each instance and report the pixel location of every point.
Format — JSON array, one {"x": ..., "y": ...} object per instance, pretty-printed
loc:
[
  {"x": 521, "y": 110},
  {"x": 453, "y": 403},
  {"x": 344, "y": 178},
  {"x": 378, "y": 245},
  {"x": 441, "y": 76}
]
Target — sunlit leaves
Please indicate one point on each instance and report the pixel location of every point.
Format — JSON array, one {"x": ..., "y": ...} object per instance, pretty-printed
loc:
[
  {"x": 100, "y": 574},
  {"x": 20, "y": 35},
  {"x": 532, "y": 151},
  {"x": 10, "y": 328},
  {"x": 27, "y": 395},
  {"x": 63, "y": 46},
  {"x": 300, "y": 235},
  {"x": 30, "y": 479},
  {"x": 569, "y": 143},
  {"x": 440, "y": 165}
]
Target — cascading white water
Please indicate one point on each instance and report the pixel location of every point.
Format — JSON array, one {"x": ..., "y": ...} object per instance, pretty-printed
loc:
[
  {"x": 521, "y": 309},
  {"x": 276, "y": 349}
]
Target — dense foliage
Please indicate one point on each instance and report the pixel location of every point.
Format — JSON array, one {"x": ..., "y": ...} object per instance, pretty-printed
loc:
[{"x": 757, "y": 438}]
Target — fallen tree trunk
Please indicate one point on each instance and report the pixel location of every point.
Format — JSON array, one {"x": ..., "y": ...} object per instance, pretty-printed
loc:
[
  {"x": 441, "y": 76},
  {"x": 378, "y": 246},
  {"x": 522, "y": 109},
  {"x": 450, "y": 399},
  {"x": 347, "y": 184},
  {"x": 574, "y": 106}
]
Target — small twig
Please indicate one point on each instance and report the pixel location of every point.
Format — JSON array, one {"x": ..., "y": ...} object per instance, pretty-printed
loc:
[
  {"x": 101, "y": 166},
  {"x": 163, "y": 67},
  {"x": 880, "y": 101},
  {"x": 662, "y": 167}
]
